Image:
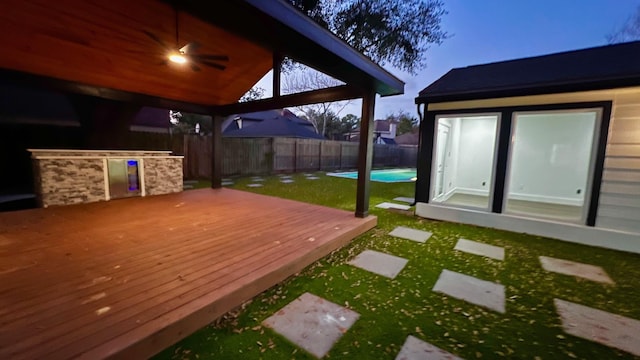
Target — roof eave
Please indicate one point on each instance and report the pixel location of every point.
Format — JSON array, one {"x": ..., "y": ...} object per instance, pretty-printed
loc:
[
  {"x": 528, "y": 90},
  {"x": 385, "y": 83}
]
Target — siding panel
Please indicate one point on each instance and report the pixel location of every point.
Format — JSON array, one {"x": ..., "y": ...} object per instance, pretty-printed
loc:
[
  {"x": 621, "y": 175},
  {"x": 619, "y": 206},
  {"x": 622, "y": 163},
  {"x": 632, "y": 150},
  {"x": 619, "y": 200}
]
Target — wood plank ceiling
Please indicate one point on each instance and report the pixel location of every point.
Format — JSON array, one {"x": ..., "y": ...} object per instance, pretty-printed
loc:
[{"x": 103, "y": 44}]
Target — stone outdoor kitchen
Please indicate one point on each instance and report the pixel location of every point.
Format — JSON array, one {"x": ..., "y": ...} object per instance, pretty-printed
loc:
[{"x": 64, "y": 177}]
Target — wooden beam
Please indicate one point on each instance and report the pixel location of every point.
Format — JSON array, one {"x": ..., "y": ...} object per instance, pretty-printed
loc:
[
  {"x": 66, "y": 86},
  {"x": 337, "y": 93},
  {"x": 365, "y": 154},
  {"x": 216, "y": 152}
]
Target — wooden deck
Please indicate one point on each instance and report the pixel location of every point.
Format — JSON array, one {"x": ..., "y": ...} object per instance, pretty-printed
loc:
[{"x": 127, "y": 278}]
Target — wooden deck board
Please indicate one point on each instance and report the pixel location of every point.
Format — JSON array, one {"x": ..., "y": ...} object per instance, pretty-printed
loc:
[{"x": 164, "y": 266}]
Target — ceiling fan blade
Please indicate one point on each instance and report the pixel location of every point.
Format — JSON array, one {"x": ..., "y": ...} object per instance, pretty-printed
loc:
[
  {"x": 210, "y": 57},
  {"x": 189, "y": 48},
  {"x": 157, "y": 40},
  {"x": 213, "y": 65}
]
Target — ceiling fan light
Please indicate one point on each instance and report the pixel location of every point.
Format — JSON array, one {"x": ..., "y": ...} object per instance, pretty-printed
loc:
[{"x": 177, "y": 58}]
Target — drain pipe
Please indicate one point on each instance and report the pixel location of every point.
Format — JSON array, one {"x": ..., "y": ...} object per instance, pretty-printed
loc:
[{"x": 420, "y": 121}]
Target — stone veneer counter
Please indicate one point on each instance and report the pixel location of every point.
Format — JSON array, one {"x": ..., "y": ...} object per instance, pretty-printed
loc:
[{"x": 64, "y": 177}]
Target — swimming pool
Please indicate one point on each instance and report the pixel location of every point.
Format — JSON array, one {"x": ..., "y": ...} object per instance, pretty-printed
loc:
[{"x": 386, "y": 176}]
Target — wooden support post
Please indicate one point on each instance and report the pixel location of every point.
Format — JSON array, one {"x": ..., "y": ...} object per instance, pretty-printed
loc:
[
  {"x": 425, "y": 154},
  {"x": 216, "y": 152},
  {"x": 277, "y": 71},
  {"x": 365, "y": 154}
]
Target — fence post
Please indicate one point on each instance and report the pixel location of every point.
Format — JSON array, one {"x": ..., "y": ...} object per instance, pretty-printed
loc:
[
  {"x": 295, "y": 155},
  {"x": 320, "y": 155}
]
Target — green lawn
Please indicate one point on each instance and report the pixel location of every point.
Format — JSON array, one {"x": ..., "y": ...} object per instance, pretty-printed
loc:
[{"x": 390, "y": 310}]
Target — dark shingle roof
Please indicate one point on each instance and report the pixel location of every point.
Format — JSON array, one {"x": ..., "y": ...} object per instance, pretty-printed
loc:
[
  {"x": 587, "y": 69},
  {"x": 280, "y": 126}
]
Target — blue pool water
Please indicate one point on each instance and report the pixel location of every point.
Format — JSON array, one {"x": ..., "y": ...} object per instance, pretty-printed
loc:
[{"x": 387, "y": 176}]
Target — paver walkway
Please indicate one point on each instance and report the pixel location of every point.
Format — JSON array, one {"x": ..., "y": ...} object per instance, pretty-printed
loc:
[
  {"x": 379, "y": 263},
  {"x": 468, "y": 288},
  {"x": 416, "y": 349},
  {"x": 388, "y": 205},
  {"x": 312, "y": 323},
  {"x": 478, "y": 248},
  {"x": 600, "y": 326},
  {"x": 572, "y": 268},
  {"x": 315, "y": 324},
  {"x": 410, "y": 234}
]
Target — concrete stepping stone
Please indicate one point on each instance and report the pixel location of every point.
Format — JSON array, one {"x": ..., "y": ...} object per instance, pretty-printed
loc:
[
  {"x": 408, "y": 200},
  {"x": 572, "y": 268},
  {"x": 388, "y": 205},
  {"x": 410, "y": 234},
  {"x": 312, "y": 323},
  {"x": 187, "y": 186},
  {"x": 600, "y": 326},
  {"x": 286, "y": 181},
  {"x": 379, "y": 263},
  {"x": 254, "y": 185},
  {"x": 312, "y": 178},
  {"x": 227, "y": 179},
  {"x": 416, "y": 349},
  {"x": 468, "y": 288},
  {"x": 190, "y": 182},
  {"x": 478, "y": 248},
  {"x": 257, "y": 179},
  {"x": 227, "y": 183}
]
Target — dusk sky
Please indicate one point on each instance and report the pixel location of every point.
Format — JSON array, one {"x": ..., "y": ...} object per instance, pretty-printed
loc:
[{"x": 495, "y": 30}]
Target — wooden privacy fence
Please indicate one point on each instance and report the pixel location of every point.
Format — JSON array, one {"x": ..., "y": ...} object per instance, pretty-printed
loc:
[{"x": 257, "y": 156}]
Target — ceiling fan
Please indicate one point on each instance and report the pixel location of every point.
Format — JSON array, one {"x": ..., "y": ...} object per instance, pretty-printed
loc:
[{"x": 187, "y": 54}]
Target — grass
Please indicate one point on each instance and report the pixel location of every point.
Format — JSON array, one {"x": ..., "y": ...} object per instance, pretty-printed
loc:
[{"x": 390, "y": 310}]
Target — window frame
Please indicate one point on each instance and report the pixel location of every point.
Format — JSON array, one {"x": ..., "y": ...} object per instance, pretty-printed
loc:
[
  {"x": 434, "y": 158},
  {"x": 588, "y": 191}
]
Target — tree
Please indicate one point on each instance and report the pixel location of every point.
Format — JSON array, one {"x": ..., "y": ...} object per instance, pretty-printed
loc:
[
  {"x": 254, "y": 93},
  {"x": 185, "y": 123},
  {"x": 335, "y": 127},
  {"x": 406, "y": 122},
  {"x": 302, "y": 79},
  {"x": 629, "y": 31},
  {"x": 391, "y": 32}
]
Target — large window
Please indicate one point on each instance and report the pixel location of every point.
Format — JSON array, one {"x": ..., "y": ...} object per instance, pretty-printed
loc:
[
  {"x": 463, "y": 162},
  {"x": 551, "y": 163}
]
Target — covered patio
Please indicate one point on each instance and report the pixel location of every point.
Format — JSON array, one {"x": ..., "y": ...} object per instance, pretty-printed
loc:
[{"x": 128, "y": 278}]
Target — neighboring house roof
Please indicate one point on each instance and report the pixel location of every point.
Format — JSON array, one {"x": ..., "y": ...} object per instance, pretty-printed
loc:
[
  {"x": 408, "y": 139},
  {"x": 386, "y": 141},
  {"x": 579, "y": 70},
  {"x": 257, "y": 124},
  {"x": 152, "y": 117},
  {"x": 378, "y": 126},
  {"x": 279, "y": 126},
  {"x": 383, "y": 125}
]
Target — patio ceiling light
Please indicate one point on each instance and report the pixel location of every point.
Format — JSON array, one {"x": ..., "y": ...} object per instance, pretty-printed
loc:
[{"x": 178, "y": 57}]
